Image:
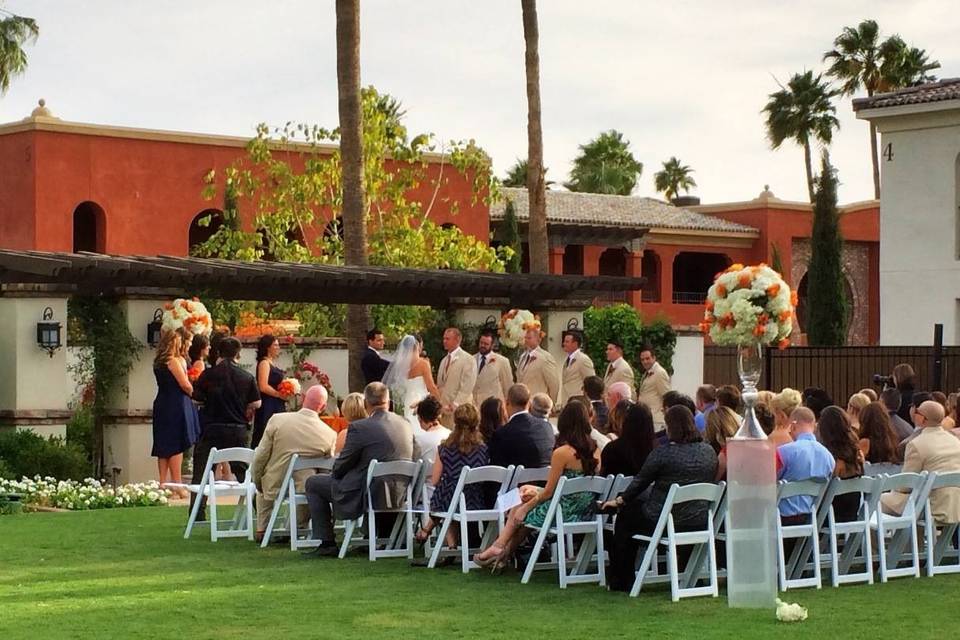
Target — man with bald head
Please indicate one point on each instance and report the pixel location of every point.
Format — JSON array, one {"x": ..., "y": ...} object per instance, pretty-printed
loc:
[
  {"x": 802, "y": 459},
  {"x": 933, "y": 450},
  {"x": 615, "y": 393},
  {"x": 300, "y": 432}
]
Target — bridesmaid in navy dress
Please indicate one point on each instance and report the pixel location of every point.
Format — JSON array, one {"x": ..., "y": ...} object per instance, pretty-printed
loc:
[
  {"x": 176, "y": 425},
  {"x": 269, "y": 377}
]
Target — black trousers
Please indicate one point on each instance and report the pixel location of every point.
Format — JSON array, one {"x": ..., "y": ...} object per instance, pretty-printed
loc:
[
  {"x": 623, "y": 551},
  {"x": 319, "y": 490},
  {"x": 221, "y": 436}
]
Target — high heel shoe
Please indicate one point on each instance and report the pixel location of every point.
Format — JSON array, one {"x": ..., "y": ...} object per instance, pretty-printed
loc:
[
  {"x": 489, "y": 560},
  {"x": 499, "y": 565}
]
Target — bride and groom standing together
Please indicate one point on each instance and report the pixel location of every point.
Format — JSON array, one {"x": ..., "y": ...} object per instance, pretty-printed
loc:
[{"x": 410, "y": 378}]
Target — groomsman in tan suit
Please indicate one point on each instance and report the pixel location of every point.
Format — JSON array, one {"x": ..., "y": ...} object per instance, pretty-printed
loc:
[
  {"x": 456, "y": 376},
  {"x": 618, "y": 369},
  {"x": 537, "y": 369},
  {"x": 654, "y": 383},
  {"x": 494, "y": 374},
  {"x": 576, "y": 368}
]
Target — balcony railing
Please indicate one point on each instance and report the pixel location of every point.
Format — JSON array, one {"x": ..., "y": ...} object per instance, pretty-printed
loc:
[{"x": 689, "y": 297}]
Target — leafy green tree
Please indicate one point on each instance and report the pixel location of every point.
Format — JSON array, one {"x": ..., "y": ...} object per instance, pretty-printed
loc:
[
  {"x": 674, "y": 177},
  {"x": 804, "y": 112},
  {"x": 826, "y": 294},
  {"x": 605, "y": 165},
  {"x": 537, "y": 239},
  {"x": 15, "y": 32},
  {"x": 517, "y": 175},
  {"x": 509, "y": 236},
  {"x": 776, "y": 261},
  {"x": 860, "y": 60}
]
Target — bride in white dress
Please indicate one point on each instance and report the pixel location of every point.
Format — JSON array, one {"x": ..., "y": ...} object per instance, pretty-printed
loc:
[{"x": 409, "y": 379}]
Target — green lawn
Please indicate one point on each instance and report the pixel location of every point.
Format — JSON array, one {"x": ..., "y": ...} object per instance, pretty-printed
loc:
[{"x": 128, "y": 573}]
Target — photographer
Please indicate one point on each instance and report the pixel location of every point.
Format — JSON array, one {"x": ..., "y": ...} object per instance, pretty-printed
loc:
[{"x": 903, "y": 379}]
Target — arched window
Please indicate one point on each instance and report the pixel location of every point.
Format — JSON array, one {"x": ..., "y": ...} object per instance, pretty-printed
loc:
[
  {"x": 202, "y": 227},
  {"x": 650, "y": 269},
  {"x": 612, "y": 262},
  {"x": 89, "y": 228},
  {"x": 693, "y": 273}
]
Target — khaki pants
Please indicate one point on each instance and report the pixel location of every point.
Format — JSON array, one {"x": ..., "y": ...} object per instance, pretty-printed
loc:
[{"x": 265, "y": 508}]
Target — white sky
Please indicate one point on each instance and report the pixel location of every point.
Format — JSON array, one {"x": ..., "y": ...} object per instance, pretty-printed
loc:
[{"x": 686, "y": 78}]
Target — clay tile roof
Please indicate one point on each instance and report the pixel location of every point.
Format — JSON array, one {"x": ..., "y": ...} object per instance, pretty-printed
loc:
[
  {"x": 948, "y": 89},
  {"x": 593, "y": 209}
]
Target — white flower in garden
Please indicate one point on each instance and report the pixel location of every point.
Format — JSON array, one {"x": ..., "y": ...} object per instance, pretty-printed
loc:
[{"x": 790, "y": 612}]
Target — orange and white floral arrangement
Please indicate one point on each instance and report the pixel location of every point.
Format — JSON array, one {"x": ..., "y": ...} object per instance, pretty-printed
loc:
[
  {"x": 289, "y": 387},
  {"x": 514, "y": 324},
  {"x": 749, "y": 305},
  {"x": 191, "y": 315}
]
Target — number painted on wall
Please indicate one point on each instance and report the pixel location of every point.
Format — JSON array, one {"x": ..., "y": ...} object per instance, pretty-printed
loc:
[{"x": 888, "y": 152}]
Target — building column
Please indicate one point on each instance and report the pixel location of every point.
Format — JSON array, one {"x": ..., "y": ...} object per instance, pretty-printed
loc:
[
  {"x": 35, "y": 386},
  {"x": 591, "y": 259},
  {"x": 556, "y": 259},
  {"x": 634, "y": 270}
]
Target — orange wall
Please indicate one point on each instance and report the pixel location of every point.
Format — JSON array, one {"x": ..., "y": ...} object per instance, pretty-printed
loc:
[{"x": 17, "y": 192}]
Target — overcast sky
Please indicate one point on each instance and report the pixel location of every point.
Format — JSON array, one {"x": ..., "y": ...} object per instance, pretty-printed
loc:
[{"x": 688, "y": 78}]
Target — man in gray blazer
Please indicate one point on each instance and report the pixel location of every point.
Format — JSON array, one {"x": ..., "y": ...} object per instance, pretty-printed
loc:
[{"x": 383, "y": 436}]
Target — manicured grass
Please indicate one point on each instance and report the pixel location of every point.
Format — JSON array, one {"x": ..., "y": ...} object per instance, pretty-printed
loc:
[{"x": 128, "y": 573}]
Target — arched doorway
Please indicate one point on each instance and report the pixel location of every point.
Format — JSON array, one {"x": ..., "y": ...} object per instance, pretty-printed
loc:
[
  {"x": 202, "y": 227},
  {"x": 693, "y": 273},
  {"x": 650, "y": 269},
  {"x": 613, "y": 262},
  {"x": 89, "y": 228}
]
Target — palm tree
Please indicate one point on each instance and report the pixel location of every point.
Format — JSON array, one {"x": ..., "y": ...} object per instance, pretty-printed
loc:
[
  {"x": 804, "y": 112},
  {"x": 673, "y": 177},
  {"x": 605, "y": 165},
  {"x": 351, "y": 159},
  {"x": 517, "y": 175},
  {"x": 859, "y": 60},
  {"x": 536, "y": 174},
  {"x": 15, "y": 32}
]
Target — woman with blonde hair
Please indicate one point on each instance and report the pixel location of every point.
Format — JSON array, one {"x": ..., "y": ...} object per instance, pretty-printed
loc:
[
  {"x": 176, "y": 424},
  {"x": 857, "y": 403},
  {"x": 352, "y": 409},
  {"x": 722, "y": 425},
  {"x": 783, "y": 405}
]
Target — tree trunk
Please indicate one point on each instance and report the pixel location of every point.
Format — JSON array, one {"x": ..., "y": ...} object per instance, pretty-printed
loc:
[
  {"x": 351, "y": 160},
  {"x": 536, "y": 181},
  {"x": 809, "y": 166},
  {"x": 875, "y": 160}
]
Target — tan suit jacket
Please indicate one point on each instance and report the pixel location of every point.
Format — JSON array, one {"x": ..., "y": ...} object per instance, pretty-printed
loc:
[
  {"x": 286, "y": 434},
  {"x": 572, "y": 375},
  {"x": 653, "y": 384},
  {"x": 935, "y": 449},
  {"x": 621, "y": 372},
  {"x": 540, "y": 373},
  {"x": 495, "y": 379},
  {"x": 456, "y": 379}
]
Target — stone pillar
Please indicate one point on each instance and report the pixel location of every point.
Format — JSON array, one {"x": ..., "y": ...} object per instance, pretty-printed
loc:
[
  {"x": 34, "y": 388},
  {"x": 556, "y": 259},
  {"x": 634, "y": 270}
]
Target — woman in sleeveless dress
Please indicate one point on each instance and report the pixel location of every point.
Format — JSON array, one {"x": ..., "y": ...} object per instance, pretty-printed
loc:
[
  {"x": 576, "y": 455},
  {"x": 409, "y": 379},
  {"x": 176, "y": 425},
  {"x": 269, "y": 377}
]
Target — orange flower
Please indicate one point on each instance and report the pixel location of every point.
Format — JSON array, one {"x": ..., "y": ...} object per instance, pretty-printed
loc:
[
  {"x": 773, "y": 290},
  {"x": 744, "y": 281},
  {"x": 709, "y": 305},
  {"x": 185, "y": 305},
  {"x": 721, "y": 290},
  {"x": 193, "y": 373},
  {"x": 285, "y": 388},
  {"x": 168, "y": 306},
  {"x": 786, "y": 315},
  {"x": 759, "y": 330},
  {"x": 705, "y": 327},
  {"x": 793, "y": 298},
  {"x": 783, "y": 344},
  {"x": 734, "y": 267}
]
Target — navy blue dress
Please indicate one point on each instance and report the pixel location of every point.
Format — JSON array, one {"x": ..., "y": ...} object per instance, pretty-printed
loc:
[
  {"x": 176, "y": 424},
  {"x": 268, "y": 406}
]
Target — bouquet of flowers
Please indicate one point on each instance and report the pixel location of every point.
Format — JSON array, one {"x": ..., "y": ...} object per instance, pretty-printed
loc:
[
  {"x": 289, "y": 387},
  {"x": 192, "y": 315},
  {"x": 193, "y": 373},
  {"x": 749, "y": 304},
  {"x": 513, "y": 324}
]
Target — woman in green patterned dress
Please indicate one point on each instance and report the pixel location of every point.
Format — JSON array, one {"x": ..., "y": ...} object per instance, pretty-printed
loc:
[{"x": 575, "y": 455}]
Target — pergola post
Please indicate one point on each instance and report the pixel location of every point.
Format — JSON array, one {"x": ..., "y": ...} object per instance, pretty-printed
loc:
[{"x": 634, "y": 268}]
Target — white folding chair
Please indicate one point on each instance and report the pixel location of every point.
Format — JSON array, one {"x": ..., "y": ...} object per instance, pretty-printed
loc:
[
  {"x": 857, "y": 543},
  {"x": 556, "y": 523},
  {"x": 881, "y": 468},
  {"x": 694, "y": 571},
  {"x": 288, "y": 497},
  {"x": 940, "y": 545},
  {"x": 901, "y": 528},
  {"x": 522, "y": 476},
  {"x": 813, "y": 488},
  {"x": 665, "y": 534},
  {"x": 381, "y": 471},
  {"x": 243, "y": 523},
  {"x": 458, "y": 511}
]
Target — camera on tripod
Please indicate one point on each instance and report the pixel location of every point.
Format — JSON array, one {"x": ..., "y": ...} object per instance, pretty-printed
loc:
[{"x": 886, "y": 381}]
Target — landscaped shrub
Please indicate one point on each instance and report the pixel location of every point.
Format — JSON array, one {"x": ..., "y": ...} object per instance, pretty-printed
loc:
[
  {"x": 25, "y": 453},
  {"x": 5, "y": 471},
  {"x": 80, "y": 430},
  {"x": 623, "y": 324}
]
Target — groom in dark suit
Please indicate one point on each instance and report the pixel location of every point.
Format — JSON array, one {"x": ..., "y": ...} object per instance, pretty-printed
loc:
[
  {"x": 373, "y": 364},
  {"x": 383, "y": 436}
]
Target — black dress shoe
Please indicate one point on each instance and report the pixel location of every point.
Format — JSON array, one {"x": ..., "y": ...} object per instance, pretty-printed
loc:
[{"x": 322, "y": 551}]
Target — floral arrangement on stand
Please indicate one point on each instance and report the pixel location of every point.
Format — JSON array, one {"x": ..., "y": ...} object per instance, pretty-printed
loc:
[
  {"x": 191, "y": 315},
  {"x": 514, "y": 324},
  {"x": 81, "y": 496},
  {"x": 749, "y": 304}
]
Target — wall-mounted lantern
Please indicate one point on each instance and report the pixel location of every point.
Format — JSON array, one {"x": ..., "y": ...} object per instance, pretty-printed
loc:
[
  {"x": 154, "y": 328},
  {"x": 48, "y": 332}
]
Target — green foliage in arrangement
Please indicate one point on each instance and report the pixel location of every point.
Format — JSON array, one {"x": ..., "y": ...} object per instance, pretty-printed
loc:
[{"x": 623, "y": 323}]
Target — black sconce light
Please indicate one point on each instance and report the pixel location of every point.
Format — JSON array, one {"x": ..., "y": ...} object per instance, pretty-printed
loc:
[
  {"x": 154, "y": 328},
  {"x": 48, "y": 332},
  {"x": 573, "y": 324}
]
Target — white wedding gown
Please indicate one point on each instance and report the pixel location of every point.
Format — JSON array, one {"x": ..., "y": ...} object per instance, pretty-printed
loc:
[{"x": 414, "y": 391}]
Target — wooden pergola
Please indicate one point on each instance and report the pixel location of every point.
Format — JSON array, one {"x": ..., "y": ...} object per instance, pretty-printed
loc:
[{"x": 100, "y": 274}]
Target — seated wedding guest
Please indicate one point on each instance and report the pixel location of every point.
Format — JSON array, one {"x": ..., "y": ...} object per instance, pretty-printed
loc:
[
  {"x": 431, "y": 432},
  {"x": 837, "y": 434},
  {"x": 765, "y": 396},
  {"x": 674, "y": 398},
  {"x": 816, "y": 399},
  {"x": 616, "y": 392},
  {"x": 876, "y": 438},
  {"x": 384, "y": 436},
  {"x": 729, "y": 396},
  {"x": 627, "y": 453},
  {"x": 870, "y": 393},
  {"x": 288, "y": 433},
  {"x": 464, "y": 447},
  {"x": 351, "y": 410},
  {"x": 524, "y": 439},
  {"x": 600, "y": 439},
  {"x": 576, "y": 455},
  {"x": 493, "y": 415},
  {"x": 890, "y": 398},
  {"x": 687, "y": 459},
  {"x": 934, "y": 450},
  {"x": 950, "y": 421},
  {"x": 783, "y": 405},
  {"x": 617, "y": 415},
  {"x": 802, "y": 459},
  {"x": 855, "y": 405},
  {"x": 722, "y": 425},
  {"x": 593, "y": 389},
  {"x": 706, "y": 399},
  {"x": 540, "y": 406},
  {"x": 917, "y": 399},
  {"x": 937, "y": 396},
  {"x": 765, "y": 417}
]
